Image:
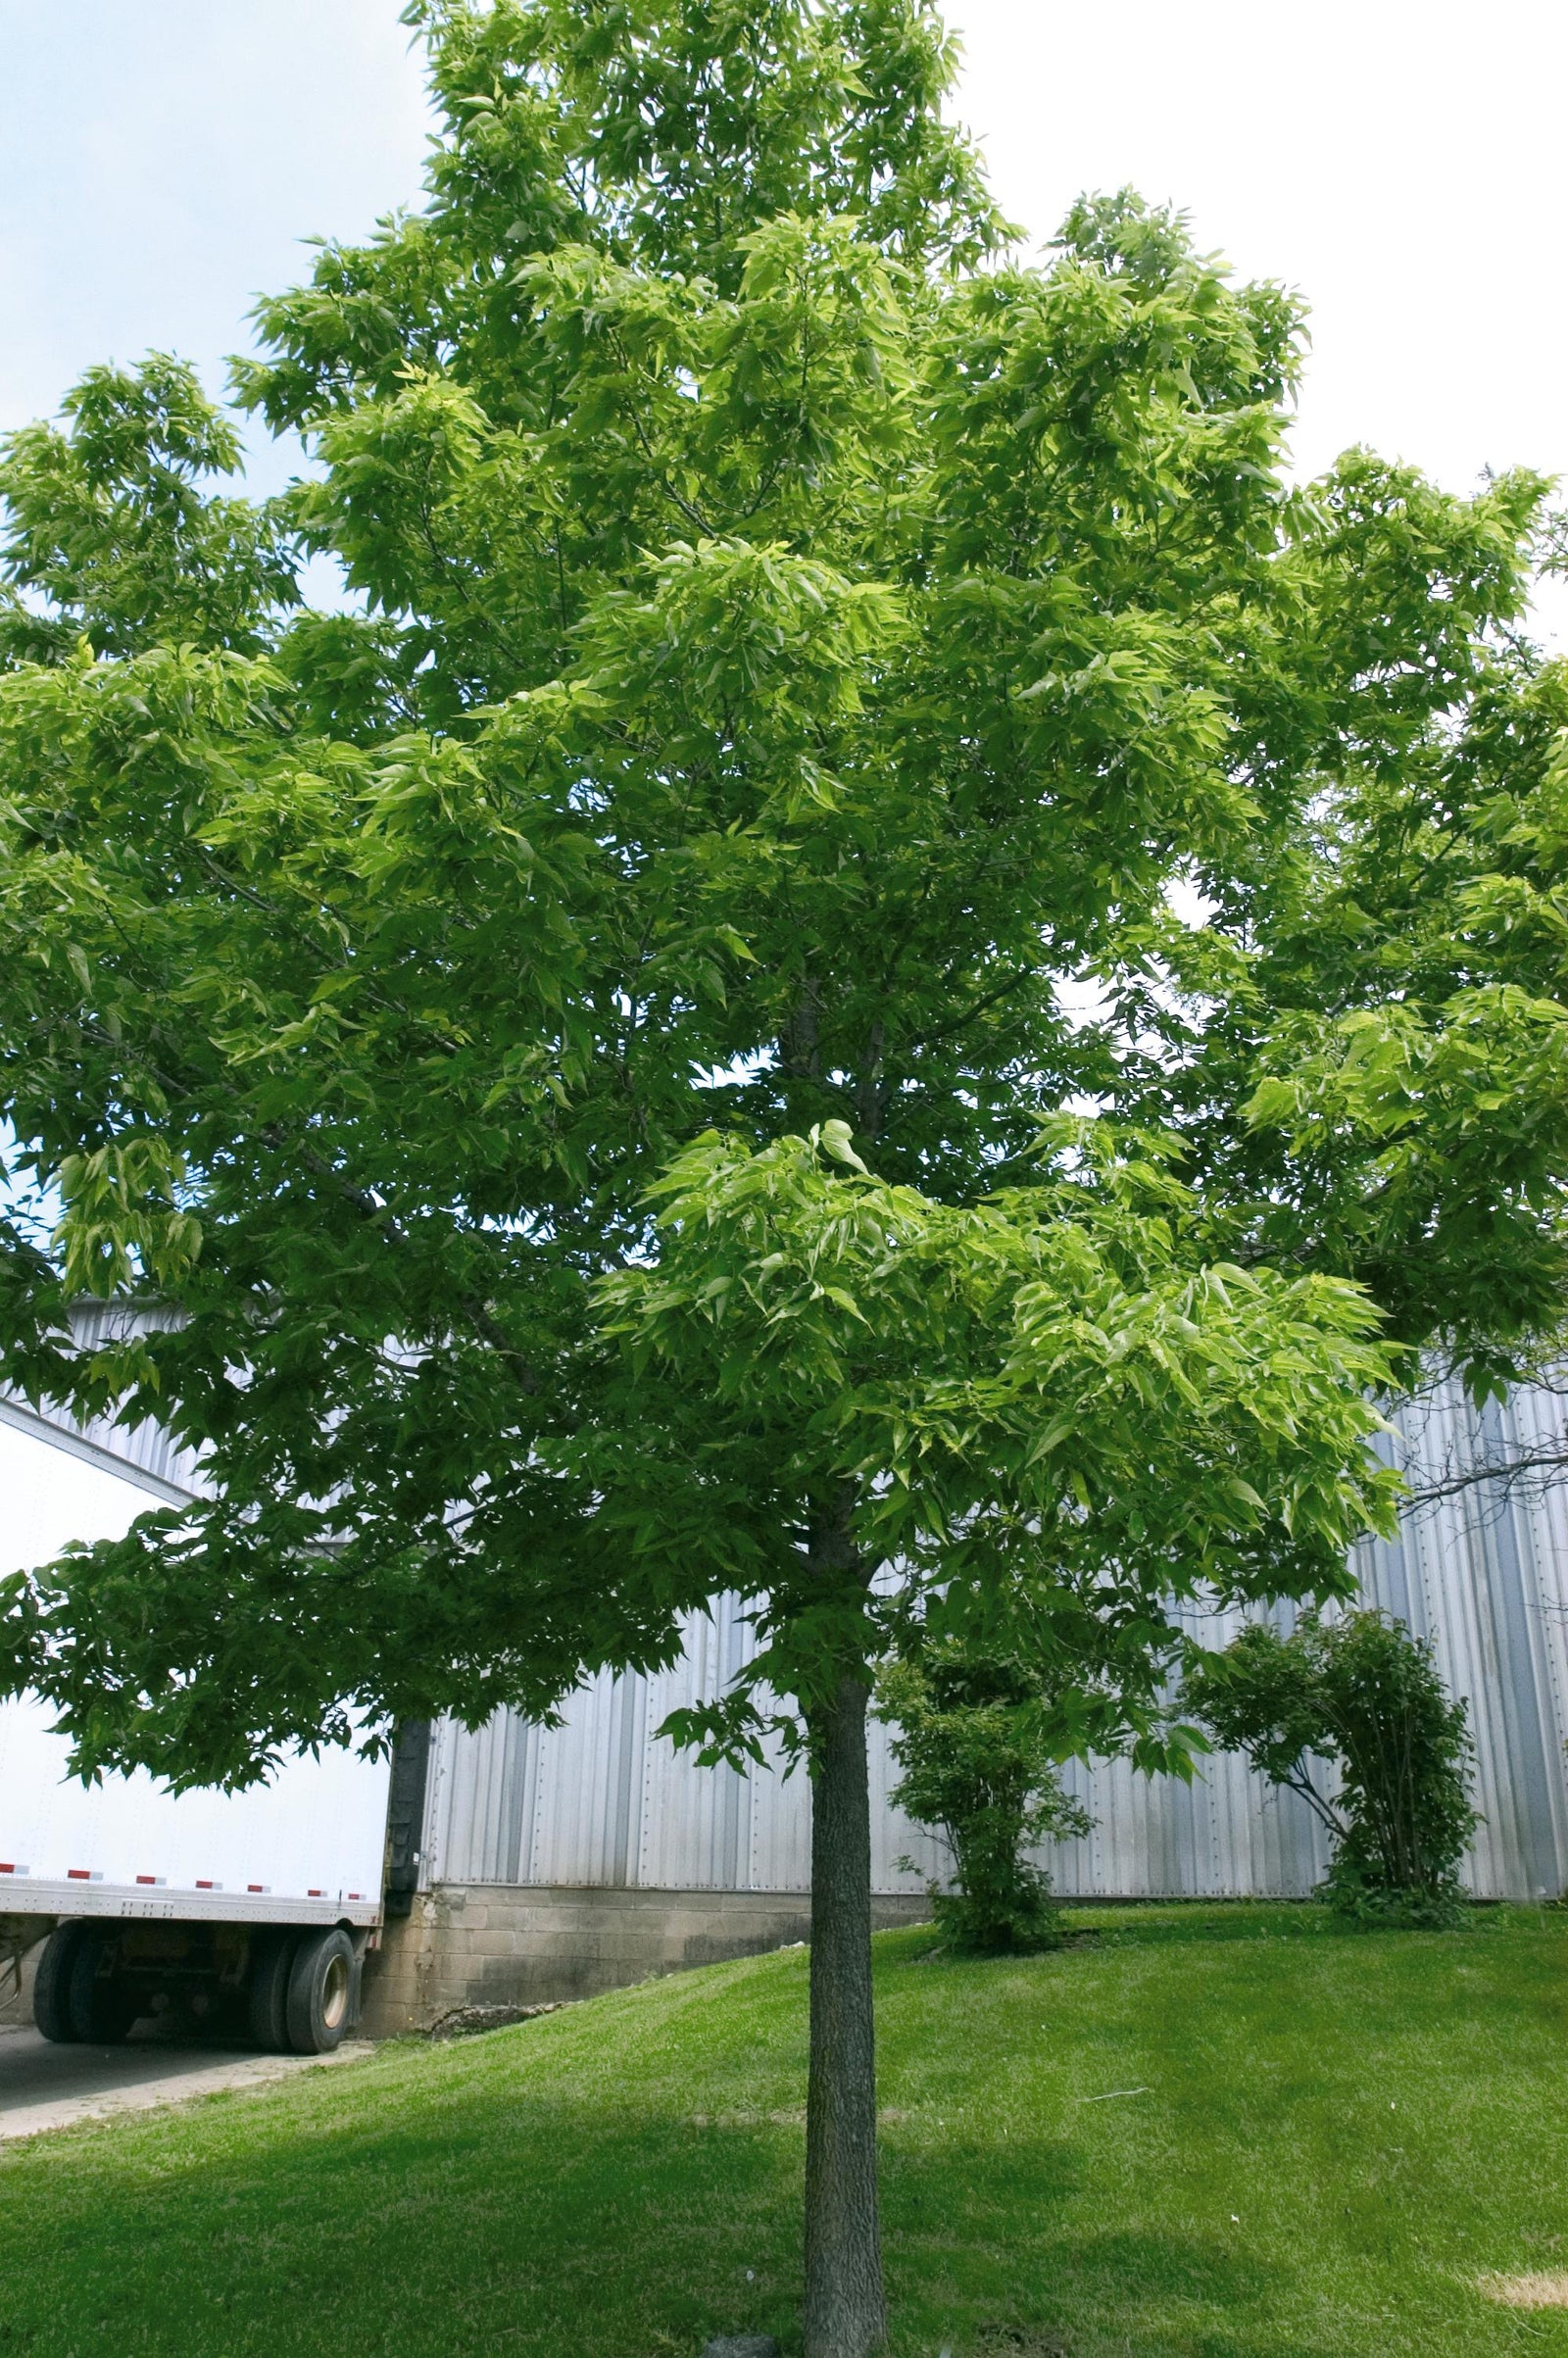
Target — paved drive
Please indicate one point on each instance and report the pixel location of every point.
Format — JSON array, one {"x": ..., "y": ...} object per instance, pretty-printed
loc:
[{"x": 44, "y": 2087}]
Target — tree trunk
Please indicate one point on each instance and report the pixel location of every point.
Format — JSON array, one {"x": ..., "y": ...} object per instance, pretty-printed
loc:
[{"x": 845, "y": 2312}]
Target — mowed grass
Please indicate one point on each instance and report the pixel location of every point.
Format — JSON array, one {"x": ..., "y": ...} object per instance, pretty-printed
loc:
[{"x": 1334, "y": 2137}]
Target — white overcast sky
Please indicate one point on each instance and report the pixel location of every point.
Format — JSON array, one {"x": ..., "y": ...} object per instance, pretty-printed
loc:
[{"x": 1400, "y": 161}]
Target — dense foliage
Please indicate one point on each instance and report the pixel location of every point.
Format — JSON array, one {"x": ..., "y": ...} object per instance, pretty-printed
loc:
[
  {"x": 1033, "y": 1406},
  {"x": 797, "y": 665},
  {"x": 974, "y": 1746},
  {"x": 1361, "y": 1693}
]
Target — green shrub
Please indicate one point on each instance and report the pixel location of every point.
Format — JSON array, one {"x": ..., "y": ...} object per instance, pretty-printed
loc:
[
  {"x": 1364, "y": 1694},
  {"x": 972, "y": 1747}
]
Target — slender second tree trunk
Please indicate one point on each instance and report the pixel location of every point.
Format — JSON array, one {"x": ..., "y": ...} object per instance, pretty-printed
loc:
[{"x": 845, "y": 2312}]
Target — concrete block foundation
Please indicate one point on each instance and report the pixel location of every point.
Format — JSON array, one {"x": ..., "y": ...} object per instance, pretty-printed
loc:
[{"x": 526, "y": 1944}]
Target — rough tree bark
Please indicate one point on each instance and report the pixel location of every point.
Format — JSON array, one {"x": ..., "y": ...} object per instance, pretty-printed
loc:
[{"x": 845, "y": 2316}]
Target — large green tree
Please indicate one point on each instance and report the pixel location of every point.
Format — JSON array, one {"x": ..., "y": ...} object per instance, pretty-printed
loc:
[{"x": 858, "y": 975}]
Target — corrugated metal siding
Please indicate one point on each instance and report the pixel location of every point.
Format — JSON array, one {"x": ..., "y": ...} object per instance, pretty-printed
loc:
[
  {"x": 603, "y": 1799},
  {"x": 147, "y": 1449},
  {"x": 1483, "y": 1575}
]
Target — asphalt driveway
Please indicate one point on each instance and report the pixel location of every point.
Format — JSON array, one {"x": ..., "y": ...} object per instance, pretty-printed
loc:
[{"x": 46, "y": 2086}]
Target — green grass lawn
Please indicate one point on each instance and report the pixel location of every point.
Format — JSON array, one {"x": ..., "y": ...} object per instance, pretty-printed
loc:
[{"x": 1335, "y": 2134}]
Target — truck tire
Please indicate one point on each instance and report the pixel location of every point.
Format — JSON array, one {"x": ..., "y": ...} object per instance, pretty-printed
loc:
[
  {"x": 266, "y": 1987},
  {"x": 320, "y": 1991},
  {"x": 51, "y": 1992},
  {"x": 100, "y": 2006}
]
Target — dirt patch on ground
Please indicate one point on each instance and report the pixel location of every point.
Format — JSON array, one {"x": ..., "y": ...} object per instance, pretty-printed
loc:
[{"x": 1542, "y": 2290}]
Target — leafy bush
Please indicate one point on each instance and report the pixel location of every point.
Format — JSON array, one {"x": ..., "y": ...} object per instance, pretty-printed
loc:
[
  {"x": 1364, "y": 1694},
  {"x": 972, "y": 1745}
]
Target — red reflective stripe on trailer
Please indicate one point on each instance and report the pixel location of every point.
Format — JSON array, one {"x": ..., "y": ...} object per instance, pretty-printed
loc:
[
  {"x": 316, "y": 1894},
  {"x": 257, "y": 1886},
  {"x": 78, "y": 1875},
  {"x": 146, "y": 1879}
]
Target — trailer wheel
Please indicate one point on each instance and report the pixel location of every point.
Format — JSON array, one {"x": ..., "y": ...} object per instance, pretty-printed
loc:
[
  {"x": 320, "y": 1992},
  {"x": 266, "y": 1987},
  {"x": 100, "y": 2006},
  {"x": 51, "y": 1992}
]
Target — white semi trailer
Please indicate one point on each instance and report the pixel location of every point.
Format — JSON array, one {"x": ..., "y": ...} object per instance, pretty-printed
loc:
[{"x": 247, "y": 1913}]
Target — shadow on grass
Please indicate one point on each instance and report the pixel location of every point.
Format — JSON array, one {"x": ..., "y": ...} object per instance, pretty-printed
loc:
[
  {"x": 526, "y": 2229},
  {"x": 978, "y": 2250},
  {"x": 553, "y": 2191},
  {"x": 1159, "y": 1925},
  {"x": 510, "y": 2223},
  {"x": 1089, "y": 1931},
  {"x": 1157, "y": 2294},
  {"x": 1155, "y": 1928}
]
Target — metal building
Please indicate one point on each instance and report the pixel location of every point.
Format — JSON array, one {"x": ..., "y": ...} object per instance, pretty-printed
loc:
[
  {"x": 603, "y": 1803},
  {"x": 1482, "y": 1572},
  {"x": 148, "y": 1457}
]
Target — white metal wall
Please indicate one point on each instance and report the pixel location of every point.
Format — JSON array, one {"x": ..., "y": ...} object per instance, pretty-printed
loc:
[
  {"x": 603, "y": 1799},
  {"x": 1483, "y": 1575}
]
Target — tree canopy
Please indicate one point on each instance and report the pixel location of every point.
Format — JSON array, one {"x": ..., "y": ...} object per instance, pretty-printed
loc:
[
  {"x": 813, "y": 662},
  {"x": 870, "y": 964}
]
